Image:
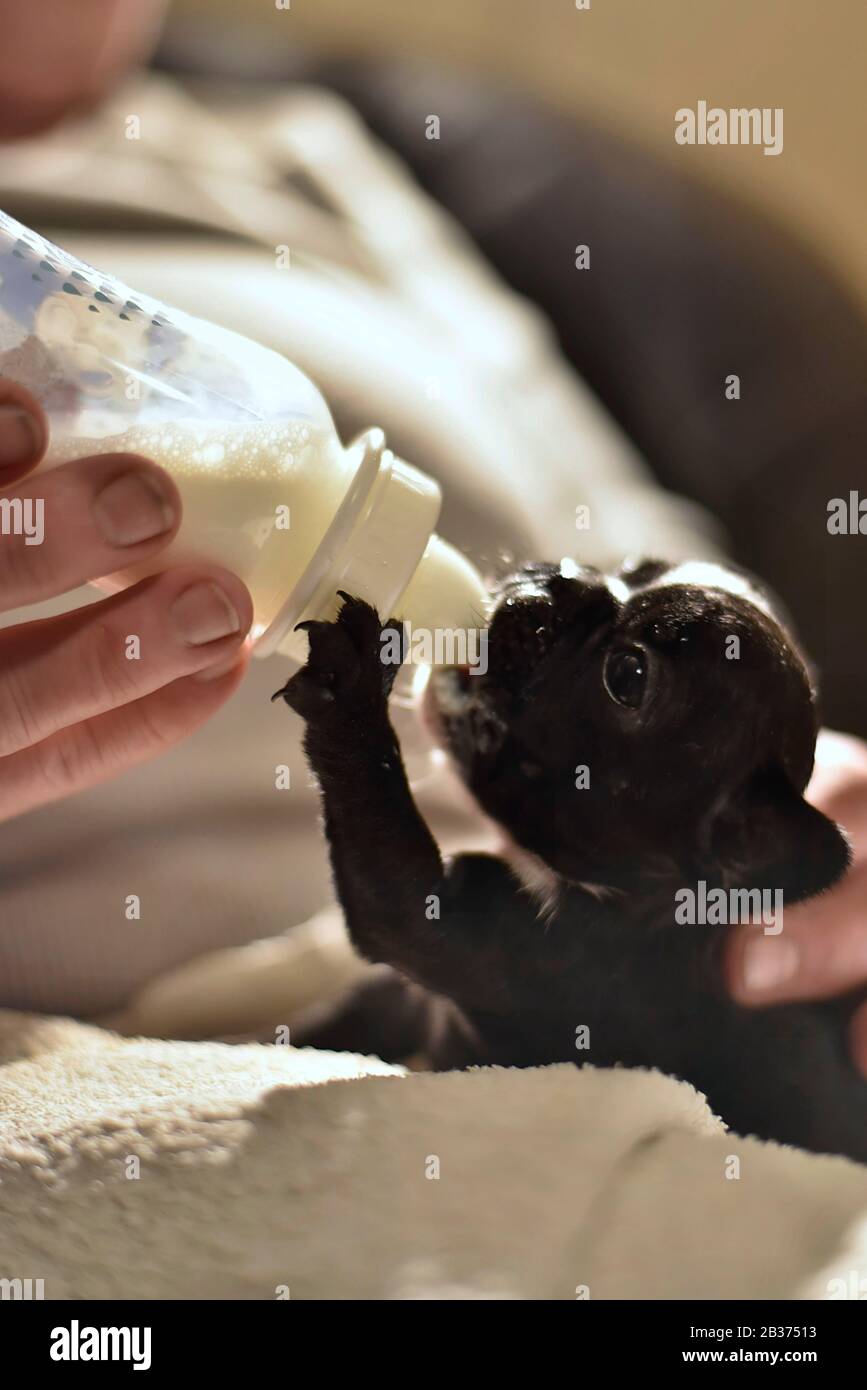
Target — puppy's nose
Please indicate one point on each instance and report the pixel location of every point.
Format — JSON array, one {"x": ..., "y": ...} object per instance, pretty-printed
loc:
[
  {"x": 538, "y": 580},
  {"x": 582, "y": 596},
  {"x": 525, "y": 575},
  {"x": 639, "y": 571}
]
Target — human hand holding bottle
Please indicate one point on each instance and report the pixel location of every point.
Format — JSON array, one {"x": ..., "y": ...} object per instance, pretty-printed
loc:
[
  {"x": 80, "y": 700},
  {"x": 822, "y": 950}
]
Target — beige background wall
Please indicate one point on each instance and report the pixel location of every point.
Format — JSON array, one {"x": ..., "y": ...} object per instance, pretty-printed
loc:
[{"x": 634, "y": 62}]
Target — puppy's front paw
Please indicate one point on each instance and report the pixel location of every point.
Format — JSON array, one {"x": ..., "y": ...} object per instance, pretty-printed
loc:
[{"x": 351, "y": 665}]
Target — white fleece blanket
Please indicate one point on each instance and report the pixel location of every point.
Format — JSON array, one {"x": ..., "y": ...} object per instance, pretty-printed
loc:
[{"x": 137, "y": 1168}]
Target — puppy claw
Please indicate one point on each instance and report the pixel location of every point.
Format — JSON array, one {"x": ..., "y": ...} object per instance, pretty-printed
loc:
[
  {"x": 346, "y": 668},
  {"x": 361, "y": 621}
]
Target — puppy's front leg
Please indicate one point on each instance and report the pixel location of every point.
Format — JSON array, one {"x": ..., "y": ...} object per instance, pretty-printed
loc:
[{"x": 386, "y": 863}]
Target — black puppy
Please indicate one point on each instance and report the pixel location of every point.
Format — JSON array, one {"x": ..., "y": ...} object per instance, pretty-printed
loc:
[{"x": 644, "y": 741}]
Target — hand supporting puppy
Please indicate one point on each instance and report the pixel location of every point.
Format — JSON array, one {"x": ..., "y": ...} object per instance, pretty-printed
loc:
[{"x": 823, "y": 950}]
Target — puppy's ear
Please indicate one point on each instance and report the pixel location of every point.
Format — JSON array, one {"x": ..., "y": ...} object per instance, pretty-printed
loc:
[{"x": 770, "y": 837}]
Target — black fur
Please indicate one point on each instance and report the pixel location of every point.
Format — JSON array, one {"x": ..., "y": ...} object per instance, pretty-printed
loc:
[{"x": 697, "y": 762}]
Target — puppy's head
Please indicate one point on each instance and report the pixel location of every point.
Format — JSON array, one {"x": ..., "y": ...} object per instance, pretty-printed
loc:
[{"x": 661, "y": 719}]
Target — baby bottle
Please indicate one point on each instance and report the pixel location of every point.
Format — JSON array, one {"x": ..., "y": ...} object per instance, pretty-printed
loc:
[{"x": 268, "y": 489}]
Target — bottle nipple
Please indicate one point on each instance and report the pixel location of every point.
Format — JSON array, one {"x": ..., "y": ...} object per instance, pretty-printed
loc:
[{"x": 446, "y": 591}]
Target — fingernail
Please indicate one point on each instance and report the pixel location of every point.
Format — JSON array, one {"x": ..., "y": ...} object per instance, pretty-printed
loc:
[
  {"x": 133, "y": 508},
  {"x": 19, "y": 438},
  {"x": 203, "y": 613},
  {"x": 219, "y": 668},
  {"x": 768, "y": 963}
]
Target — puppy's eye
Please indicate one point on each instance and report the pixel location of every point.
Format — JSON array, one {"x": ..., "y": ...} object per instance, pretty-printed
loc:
[{"x": 625, "y": 675}]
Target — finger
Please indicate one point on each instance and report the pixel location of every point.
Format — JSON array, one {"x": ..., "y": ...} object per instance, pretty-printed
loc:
[
  {"x": 88, "y": 753},
  {"x": 67, "y": 669},
  {"x": 81, "y": 521},
  {"x": 23, "y": 431},
  {"x": 839, "y": 785},
  {"x": 858, "y": 1038},
  {"x": 821, "y": 951}
]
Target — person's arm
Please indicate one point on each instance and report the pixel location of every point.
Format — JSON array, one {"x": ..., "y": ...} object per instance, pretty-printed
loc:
[
  {"x": 57, "y": 59},
  {"x": 822, "y": 950},
  {"x": 78, "y": 701}
]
